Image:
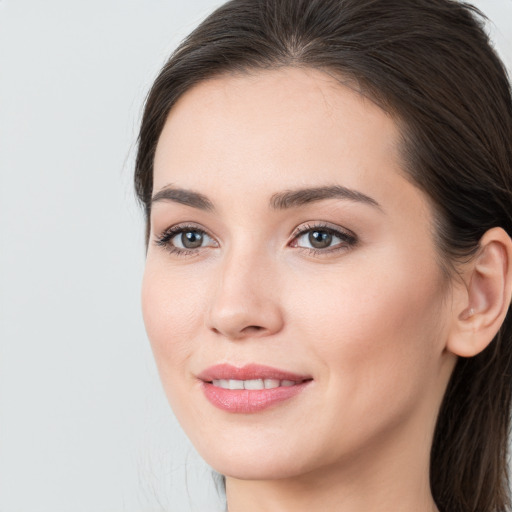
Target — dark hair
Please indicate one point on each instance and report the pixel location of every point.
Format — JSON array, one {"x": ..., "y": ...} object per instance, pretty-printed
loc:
[{"x": 429, "y": 64}]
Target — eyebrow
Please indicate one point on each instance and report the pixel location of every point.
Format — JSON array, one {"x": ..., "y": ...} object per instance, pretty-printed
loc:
[
  {"x": 279, "y": 201},
  {"x": 182, "y": 196},
  {"x": 300, "y": 197}
]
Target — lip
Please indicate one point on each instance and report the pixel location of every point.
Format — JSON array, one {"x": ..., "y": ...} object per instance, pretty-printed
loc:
[
  {"x": 247, "y": 401},
  {"x": 247, "y": 372}
]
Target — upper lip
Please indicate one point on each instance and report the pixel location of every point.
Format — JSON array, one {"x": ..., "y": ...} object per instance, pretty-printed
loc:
[{"x": 248, "y": 372}]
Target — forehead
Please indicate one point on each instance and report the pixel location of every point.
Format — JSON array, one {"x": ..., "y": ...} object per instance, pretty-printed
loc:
[{"x": 278, "y": 129}]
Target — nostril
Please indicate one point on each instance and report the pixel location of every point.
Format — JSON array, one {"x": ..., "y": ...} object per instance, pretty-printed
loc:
[
  {"x": 238, "y": 320},
  {"x": 252, "y": 328}
]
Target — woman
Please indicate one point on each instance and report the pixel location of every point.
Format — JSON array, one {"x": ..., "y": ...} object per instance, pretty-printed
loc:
[{"x": 327, "y": 187}]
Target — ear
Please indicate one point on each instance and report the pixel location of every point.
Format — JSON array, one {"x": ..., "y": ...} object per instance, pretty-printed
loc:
[{"x": 481, "y": 305}]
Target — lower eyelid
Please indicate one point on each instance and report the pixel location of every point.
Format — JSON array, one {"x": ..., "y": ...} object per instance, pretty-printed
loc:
[{"x": 339, "y": 246}]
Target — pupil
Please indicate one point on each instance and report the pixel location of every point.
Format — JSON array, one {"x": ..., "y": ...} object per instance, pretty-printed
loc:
[
  {"x": 320, "y": 239},
  {"x": 191, "y": 239}
]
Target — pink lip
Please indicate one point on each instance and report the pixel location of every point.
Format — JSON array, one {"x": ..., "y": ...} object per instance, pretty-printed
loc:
[
  {"x": 247, "y": 372},
  {"x": 245, "y": 400}
]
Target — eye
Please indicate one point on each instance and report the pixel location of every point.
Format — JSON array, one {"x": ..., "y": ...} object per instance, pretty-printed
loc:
[
  {"x": 189, "y": 239},
  {"x": 185, "y": 239},
  {"x": 323, "y": 238}
]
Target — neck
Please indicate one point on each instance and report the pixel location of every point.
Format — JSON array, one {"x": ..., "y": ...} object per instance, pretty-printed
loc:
[
  {"x": 394, "y": 476},
  {"x": 330, "y": 492}
]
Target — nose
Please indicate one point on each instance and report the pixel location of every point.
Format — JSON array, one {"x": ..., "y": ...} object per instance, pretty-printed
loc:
[{"x": 244, "y": 302}]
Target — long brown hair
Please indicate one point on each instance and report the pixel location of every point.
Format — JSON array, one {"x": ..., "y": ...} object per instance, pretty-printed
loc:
[{"x": 429, "y": 64}]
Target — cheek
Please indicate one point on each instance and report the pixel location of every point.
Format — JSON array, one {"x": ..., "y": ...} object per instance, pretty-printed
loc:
[
  {"x": 173, "y": 312},
  {"x": 377, "y": 330}
]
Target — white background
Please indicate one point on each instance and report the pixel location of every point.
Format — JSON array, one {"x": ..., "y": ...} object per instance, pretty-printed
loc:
[{"x": 84, "y": 425}]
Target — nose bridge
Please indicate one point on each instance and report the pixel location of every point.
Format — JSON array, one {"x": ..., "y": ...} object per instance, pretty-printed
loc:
[{"x": 244, "y": 301}]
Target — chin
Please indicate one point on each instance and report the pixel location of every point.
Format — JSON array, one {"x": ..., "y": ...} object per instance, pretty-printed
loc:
[
  {"x": 256, "y": 468},
  {"x": 254, "y": 461}
]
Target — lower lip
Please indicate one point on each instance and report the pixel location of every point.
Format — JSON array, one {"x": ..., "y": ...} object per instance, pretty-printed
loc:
[{"x": 247, "y": 401}]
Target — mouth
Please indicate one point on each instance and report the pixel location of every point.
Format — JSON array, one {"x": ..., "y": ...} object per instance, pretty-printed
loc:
[
  {"x": 252, "y": 383},
  {"x": 251, "y": 388}
]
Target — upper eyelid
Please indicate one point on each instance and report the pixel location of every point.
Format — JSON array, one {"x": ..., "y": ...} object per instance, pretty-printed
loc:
[
  {"x": 327, "y": 226},
  {"x": 184, "y": 226},
  {"x": 302, "y": 228}
]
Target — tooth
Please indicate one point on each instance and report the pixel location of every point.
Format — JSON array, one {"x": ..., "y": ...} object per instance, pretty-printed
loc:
[
  {"x": 271, "y": 383},
  {"x": 236, "y": 384},
  {"x": 253, "y": 384}
]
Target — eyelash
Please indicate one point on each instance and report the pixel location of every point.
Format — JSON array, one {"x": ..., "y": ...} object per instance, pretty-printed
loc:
[
  {"x": 165, "y": 238},
  {"x": 348, "y": 239}
]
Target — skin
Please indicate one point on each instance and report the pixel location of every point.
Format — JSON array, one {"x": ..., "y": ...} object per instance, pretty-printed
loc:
[{"x": 370, "y": 322}]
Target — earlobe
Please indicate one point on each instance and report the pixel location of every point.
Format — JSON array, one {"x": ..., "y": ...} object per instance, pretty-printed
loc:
[{"x": 483, "y": 304}]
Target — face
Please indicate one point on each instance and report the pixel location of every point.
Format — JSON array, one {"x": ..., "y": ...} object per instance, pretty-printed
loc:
[{"x": 291, "y": 294}]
